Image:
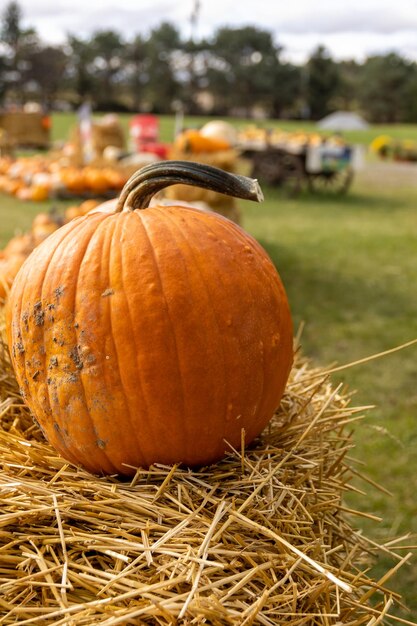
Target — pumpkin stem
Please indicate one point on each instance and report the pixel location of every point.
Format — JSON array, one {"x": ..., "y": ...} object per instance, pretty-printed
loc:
[{"x": 146, "y": 182}]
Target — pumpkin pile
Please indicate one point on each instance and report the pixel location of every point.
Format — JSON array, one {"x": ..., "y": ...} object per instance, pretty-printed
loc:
[
  {"x": 20, "y": 246},
  {"x": 39, "y": 178},
  {"x": 293, "y": 141}
]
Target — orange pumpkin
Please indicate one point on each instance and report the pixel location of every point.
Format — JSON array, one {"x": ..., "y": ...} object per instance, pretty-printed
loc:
[
  {"x": 193, "y": 141},
  {"x": 39, "y": 192},
  {"x": 43, "y": 225},
  {"x": 73, "y": 180},
  {"x": 9, "y": 267},
  {"x": 19, "y": 245},
  {"x": 72, "y": 212},
  {"x": 96, "y": 180},
  {"x": 148, "y": 335}
]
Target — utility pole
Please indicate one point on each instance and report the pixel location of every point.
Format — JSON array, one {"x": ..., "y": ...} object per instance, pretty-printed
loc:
[
  {"x": 195, "y": 13},
  {"x": 192, "y": 86}
]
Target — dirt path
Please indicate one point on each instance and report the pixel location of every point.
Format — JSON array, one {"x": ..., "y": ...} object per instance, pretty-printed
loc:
[{"x": 388, "y": 174}]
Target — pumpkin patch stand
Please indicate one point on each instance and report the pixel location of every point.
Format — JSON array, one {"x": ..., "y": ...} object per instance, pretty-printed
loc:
[{"x": 261, "y": 536}]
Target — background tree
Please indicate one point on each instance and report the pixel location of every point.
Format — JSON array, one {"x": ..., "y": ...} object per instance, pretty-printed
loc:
[
  {"x": 48, "y": 71},
  {"x": 107, "y": 48},
  {"x": 11, "y": 31},
  {"x": 136, "y": 70},
  {"x": 3, "y": 77},
  {"x": 286, "y": 90},
  {"x": 19, "y": 44},
  {"x": 80, "y": 68},
  {"x": 242, "y": 68},
  {"x": 163, "y": 85},
  {"x": 385, "y": 88},
  {"x": 321, "y": 83},
  {"x": 346, "y": 97}
]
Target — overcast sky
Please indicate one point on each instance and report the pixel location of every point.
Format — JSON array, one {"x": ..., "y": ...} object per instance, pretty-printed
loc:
[{"x": 348, "y": 28}]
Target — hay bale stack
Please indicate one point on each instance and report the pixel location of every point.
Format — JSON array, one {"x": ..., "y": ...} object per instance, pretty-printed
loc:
[
  {"x": 259, "y": 538},
  {"x": 225, "y": 205},
  {"x": 104, "y": 133},
  {"x": 26, "y": 129},
  {"x": 107, "y": 132}
]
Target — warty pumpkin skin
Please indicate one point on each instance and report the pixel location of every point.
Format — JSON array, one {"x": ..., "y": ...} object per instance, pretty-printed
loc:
[{"x": 154, "y": 335}]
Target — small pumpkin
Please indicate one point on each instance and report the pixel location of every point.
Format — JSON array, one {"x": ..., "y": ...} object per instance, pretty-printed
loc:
[
  {"x": 151, "y": 334},
  {"x": 19, "y": 245},
  {"x": 9, "y": 267},
  {"x": 194, "y": 141},
  {"x": 39, "y": 192},
  {"x": 96, "y": 180},
  {"x": 43, "y": 225}
]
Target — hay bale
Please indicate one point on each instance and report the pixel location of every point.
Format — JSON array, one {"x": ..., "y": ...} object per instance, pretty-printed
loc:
[
  {"x": 107, "y": 133},
  {"x": 104, "y": 133},
  {"x": 26, "y": 129},
  {"x": 259, "y": 538}
]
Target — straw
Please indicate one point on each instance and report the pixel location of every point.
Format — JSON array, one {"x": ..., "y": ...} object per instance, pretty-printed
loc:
[{"x": 262, "y": 537}]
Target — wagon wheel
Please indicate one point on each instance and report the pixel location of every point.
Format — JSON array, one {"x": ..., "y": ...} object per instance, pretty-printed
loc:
[
  {"x": 266, "y": 168},
  {"x": 279, "y": 168},
  {"x": 333, "y": 182},
  {"x": 291, "y": 174}
]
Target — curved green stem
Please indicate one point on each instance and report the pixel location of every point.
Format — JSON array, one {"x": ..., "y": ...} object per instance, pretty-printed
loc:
[{"x": 146, "y": 182}]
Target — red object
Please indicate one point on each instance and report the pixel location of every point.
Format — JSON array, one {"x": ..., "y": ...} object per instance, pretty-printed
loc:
[
  {"x": 144, "y": 133},
  {"x": 144, "y": 129},
  {"x": 160, "y": 149}
]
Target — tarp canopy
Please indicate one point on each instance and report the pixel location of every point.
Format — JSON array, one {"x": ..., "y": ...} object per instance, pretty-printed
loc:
[{"x": 343, "y": 120}]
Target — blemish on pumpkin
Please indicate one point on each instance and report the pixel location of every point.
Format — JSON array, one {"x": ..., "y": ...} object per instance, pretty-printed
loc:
[
  {"x": 50, "y": 306},
  {"x": 72, "y": 378},
  {"x": 75, "y": 356},
  {"x": 38, "y": 313},
  {"x": 20, "y": 348},
  {"x": 53, "y": 361},
  {"x": 35, "y": 375},
  {"x": 107, "y": 292},
  {"x": 101, "y": 443},
  {"x": 59, "y": 432},
  {"x": 58, "y": 292}
]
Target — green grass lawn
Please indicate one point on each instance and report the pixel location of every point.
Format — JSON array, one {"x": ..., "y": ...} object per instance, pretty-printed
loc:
[{"x": 350, "y": 268}]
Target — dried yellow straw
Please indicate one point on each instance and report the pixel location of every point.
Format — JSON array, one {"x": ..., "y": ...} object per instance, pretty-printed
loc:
[{"x": 263, "y": 537}]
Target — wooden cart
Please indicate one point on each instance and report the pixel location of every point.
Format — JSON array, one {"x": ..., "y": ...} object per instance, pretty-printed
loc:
[{"x": 321, "y": 168}]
